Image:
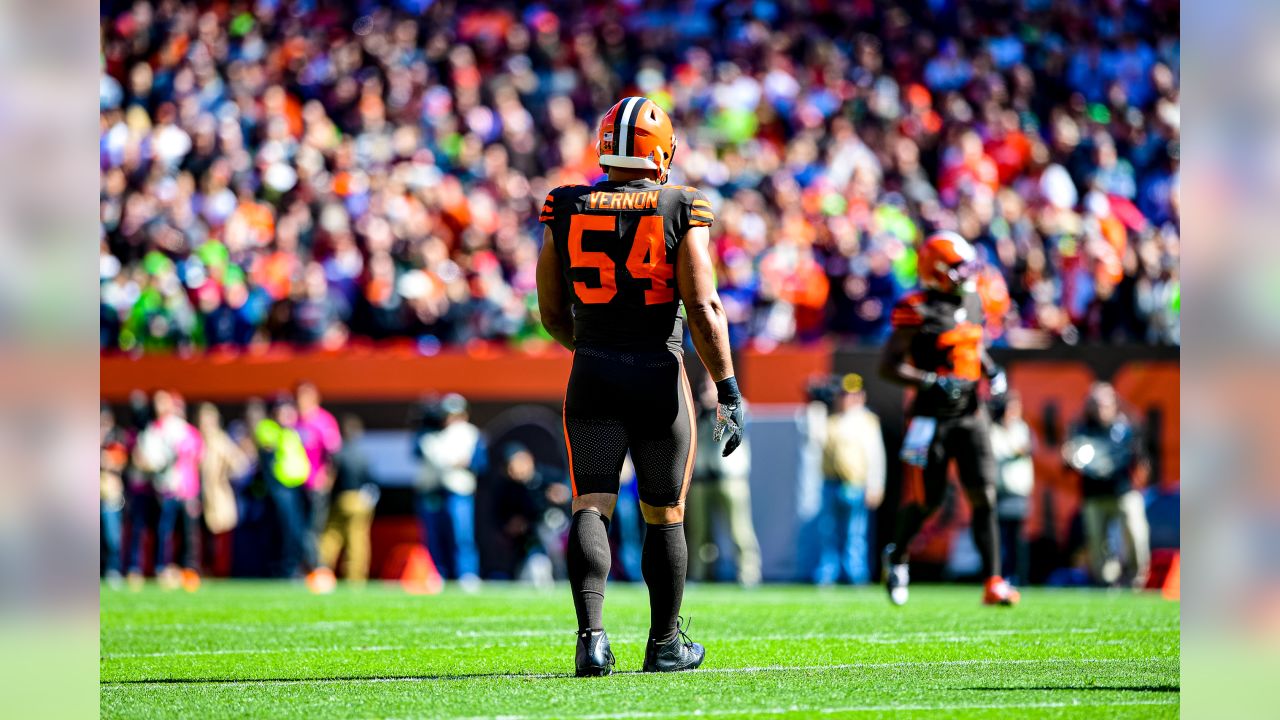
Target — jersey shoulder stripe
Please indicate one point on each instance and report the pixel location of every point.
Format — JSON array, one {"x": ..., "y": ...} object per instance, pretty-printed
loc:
[
  {"x": 549, "y": 205},
  {"x": 698, "y": 206}
]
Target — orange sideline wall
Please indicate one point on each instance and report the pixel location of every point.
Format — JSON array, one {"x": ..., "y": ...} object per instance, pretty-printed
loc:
[{"x": 401, "y": 373}]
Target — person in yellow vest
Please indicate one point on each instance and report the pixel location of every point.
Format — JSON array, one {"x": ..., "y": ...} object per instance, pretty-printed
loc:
[
  {"x": 285, "y": 467},
  {"x": 853, "y": 468}
]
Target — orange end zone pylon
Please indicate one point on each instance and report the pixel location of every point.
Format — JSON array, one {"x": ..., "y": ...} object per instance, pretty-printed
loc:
[
  {"x": 1172, "y": 589},
  {"x": 420, "y": 576}
]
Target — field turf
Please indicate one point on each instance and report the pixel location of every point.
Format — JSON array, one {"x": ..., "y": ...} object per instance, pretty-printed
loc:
[{"x": 271, "y": 650}]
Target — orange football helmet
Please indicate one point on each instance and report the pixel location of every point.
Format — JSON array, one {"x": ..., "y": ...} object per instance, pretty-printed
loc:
[
  {"x": 994, "y": 293},
  {"x": 636, "y": 134},
  {"x": 948, "y": 263}
]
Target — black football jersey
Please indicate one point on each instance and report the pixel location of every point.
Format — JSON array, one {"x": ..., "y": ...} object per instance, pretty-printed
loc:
[
  {"x": 617, "y": 244},
  {"x": 948, "y": 339}
]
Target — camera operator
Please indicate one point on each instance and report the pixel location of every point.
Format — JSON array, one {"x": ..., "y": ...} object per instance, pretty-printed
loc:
[{"x": 1105, "y": 448}]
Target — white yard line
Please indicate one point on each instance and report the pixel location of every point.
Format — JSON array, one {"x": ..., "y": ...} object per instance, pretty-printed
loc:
[
  {"x": 872, "y": 638},
  {"x": 253, "y": 651},
  {"x": 832, "y": 711},
  {"x": 723, "y": 671},
  {"x": 302, "y": 626}
]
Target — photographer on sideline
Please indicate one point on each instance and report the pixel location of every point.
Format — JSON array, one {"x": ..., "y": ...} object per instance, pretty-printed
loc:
[{"x": 1105, "y": 448}]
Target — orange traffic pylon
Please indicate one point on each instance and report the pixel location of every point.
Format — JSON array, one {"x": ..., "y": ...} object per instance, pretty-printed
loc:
[
  {"x": 1172, "y": 589},
  {"x": 420, "y": 576}
]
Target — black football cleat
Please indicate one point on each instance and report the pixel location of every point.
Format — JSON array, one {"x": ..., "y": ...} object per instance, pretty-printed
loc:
[
  {"x": 679, "y": 654},
  {"x": 593, "y": 657}
]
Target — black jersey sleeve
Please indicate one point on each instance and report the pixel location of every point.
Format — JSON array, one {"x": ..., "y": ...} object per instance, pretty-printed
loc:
[
  {"x": 548, "y": 213},
  {"x": 697, "y": 209}
]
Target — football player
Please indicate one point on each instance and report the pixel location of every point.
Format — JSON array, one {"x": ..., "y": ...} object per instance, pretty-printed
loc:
[
  {"x": 938, "y": 348},
  {"x": 618, "y": 259}
]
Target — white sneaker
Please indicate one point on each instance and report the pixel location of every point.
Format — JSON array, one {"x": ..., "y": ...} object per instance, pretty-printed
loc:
[{"x": 897, "y": 578}]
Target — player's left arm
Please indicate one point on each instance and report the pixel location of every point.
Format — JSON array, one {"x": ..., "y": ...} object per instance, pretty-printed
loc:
[
  {"x": 709, "y": 328},
  {"x": 993, "y": 372},
  {"x": 553, "y": 296}
]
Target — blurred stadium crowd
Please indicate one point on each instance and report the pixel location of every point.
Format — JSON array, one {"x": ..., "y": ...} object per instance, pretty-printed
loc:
[{"x": 317, "y": 173}]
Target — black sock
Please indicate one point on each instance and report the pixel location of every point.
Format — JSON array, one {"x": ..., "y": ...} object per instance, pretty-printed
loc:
[
  {"x": 986, "y": 539},
  {"x": 588, "y": 561},
  {"x": 910, "y": 518},
  {"x": 665, "y": 560}
]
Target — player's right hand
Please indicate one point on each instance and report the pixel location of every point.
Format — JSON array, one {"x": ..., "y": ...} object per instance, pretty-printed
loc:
[{"x": 731, "y": 414}]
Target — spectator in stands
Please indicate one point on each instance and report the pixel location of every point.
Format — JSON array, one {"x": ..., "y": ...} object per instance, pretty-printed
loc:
[
  {"x": 720, "y": 493},
  {"x": 451, "y": 452},
  {"x": 1011, "y": 444},
  {"x": 1105, "y": 448},
  {"x": 385, "y": 183},
  {"x": 350, "y": 517},
  {"x": 853, "y": 467}
]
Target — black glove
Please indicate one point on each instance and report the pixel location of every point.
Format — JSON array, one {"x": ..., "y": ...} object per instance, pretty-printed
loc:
[
  {"x": 953, "y": 387},
  {"x": 730, "y": 414}
]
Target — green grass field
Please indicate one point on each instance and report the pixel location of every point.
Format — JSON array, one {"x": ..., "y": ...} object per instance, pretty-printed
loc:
[{"x": 271, "y": 650}]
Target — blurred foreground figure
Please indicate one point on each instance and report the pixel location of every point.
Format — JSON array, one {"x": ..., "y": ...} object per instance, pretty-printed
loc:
[
  {"x": 167, "y": 454},
  {"x": 283, "y": 462},
  {"x": 222, "y": 462},
  {"x": 113, "y": 446},
  {"x": 321, "y": 438},
  {"x": 451, "y": 449},
  {"x": 532, "y": 514},
  {"x": 853, "y": 468},
  {"x": 350, "y": 516},
  {"x": 938, "y": 348},
  {"x": 1011, "y": 442},
  {"x": 721, "y": 490},
  {"x": 1106, "y": 450},
  {"x": 610, "y": 255}
]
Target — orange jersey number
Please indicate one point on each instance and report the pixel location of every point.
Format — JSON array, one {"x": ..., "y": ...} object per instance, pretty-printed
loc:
[
  {"x": 580, "y": 258},
  {"x": 650, "y": 242},
  {"x": 647, "y": 259},
  {"x": 964, "y": 344}
]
